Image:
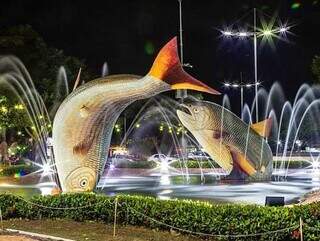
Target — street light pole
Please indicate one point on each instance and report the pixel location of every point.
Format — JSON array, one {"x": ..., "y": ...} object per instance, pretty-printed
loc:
[
  {"x": 180, "y": 31},
  {"x": 265, "y": 32},
  {"x": 255, "y": 61},
  {"x": 241, "y": 94},
  {"x": 181, "y": 93}
]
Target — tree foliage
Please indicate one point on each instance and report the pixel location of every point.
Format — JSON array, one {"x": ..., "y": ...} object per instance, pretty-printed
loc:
[
  {"x": 42, "y": 61},
  {"x": 12, "y": 115},
  {"x": 315, "y": 67},
  {"x": 43, "y": 64}
]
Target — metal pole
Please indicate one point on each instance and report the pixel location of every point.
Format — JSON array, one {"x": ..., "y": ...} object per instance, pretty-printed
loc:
[
  {"x": 255, "y": 61},
  {"x": 241, "y": 94},
  {"x": 1, "y": 219},
  {"x": 301, "y": 231},
  {"x": 180, "y": 31},
  {"x": 181, "y": 93},
  {"x": 241, "y": 100},
  {"x": 115, "y": 216}
]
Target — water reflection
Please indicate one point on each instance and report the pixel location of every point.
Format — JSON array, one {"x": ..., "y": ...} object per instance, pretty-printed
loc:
[{"x": 206, "y": 187}]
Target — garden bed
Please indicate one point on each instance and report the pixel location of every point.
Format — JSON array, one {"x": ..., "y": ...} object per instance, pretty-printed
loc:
[
  {"x": 94, "y": 231},
  {"x": 191, "y": 216}
]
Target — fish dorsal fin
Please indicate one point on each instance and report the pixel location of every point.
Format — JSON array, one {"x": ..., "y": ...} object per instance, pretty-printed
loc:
[
  {"x": 77, "y": 80},
  {"x": 263, "y": 128}
]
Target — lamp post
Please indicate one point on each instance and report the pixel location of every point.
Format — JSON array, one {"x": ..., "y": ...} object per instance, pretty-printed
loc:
[
  {"x": 242, "y": 86},
  {"x": 181, "y": 94},
  {"x": 256, "y": 33},
  {"x": 255, "y": 61}
]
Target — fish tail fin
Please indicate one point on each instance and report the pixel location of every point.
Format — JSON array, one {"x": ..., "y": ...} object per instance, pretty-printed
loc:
[
  {"x": 168, "y": 68},
  {"x": 263, "y": 128},
  {"x": 242, "y": 162}
]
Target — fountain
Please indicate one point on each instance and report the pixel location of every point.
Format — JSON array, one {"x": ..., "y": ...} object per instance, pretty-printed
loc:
[{"x": 293, "y": 140}]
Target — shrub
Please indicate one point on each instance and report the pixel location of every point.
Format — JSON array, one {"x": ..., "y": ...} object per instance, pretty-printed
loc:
[
  {"x": 195, "y": 164},
  {"x": 291, "y": 164},
  {"x": 11, "y": 170},
  {"x": 195, "y": 216},
  {"x": 137, "y": 164}
]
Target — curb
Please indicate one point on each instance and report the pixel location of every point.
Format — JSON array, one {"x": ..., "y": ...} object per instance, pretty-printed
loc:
[{"x": 37, "y": 235}]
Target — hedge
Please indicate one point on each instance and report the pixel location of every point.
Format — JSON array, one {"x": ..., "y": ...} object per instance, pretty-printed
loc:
[
  {"x": 175, "y": 164},
  {"x": 195, "y": 164},
  {"x": 137, "y": 164},
  {"x": 202, "y": 163},
  {"x": 292, "y": 164},
  {"x": 196, "y": 216},
  {"x": 13, "y": 169}
]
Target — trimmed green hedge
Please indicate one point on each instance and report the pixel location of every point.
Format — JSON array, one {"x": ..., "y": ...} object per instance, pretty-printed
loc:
[
  {"x": 292, "y": 164},
  {"x": 137, "y": 164},
  {"x": 195, "y": 164},
  {"x": 190, "y": 215},
  {"x": 176, "y": 164},
  {"x": 11, "y": 170},
  {"x": 201, "y": 163}
]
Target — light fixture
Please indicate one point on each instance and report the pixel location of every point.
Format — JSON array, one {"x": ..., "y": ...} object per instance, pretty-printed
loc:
[
  {"x": 243, "y": 34},
  {"x": 227, "y": 33},
  {"x": 227, "y": 84},
  {"x": 267, "y": 32},
  {"x": 283, "y": 29},
  {"x": 235, "y": 85},
  {"x": 248, "y": 85}
]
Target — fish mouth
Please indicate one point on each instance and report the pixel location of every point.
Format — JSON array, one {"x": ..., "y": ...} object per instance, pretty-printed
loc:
[
  {"x": 185, "y": 113},
  {"x": 186, "y": 117}
]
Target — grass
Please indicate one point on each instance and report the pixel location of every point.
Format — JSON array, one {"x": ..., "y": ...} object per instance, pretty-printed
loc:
[{"x": 94, "y": 231}]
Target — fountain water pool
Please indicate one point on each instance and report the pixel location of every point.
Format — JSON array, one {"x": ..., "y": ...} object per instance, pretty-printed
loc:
[{"x": 295, "y": 124}]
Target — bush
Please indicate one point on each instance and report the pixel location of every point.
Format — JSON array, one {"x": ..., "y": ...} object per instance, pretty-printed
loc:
[
  {"x": 292, "y": 164},
  {"x": 195, "y": 164},
  {"x": 11, "y": 170},
  {"x": 136, "y": 164},
  {"x": 176, "y": 164},
  {"x": 195, "y": 216}
]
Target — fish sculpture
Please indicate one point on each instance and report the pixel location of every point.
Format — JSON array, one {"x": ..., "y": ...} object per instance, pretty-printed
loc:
[
  {"x": 240, "y": 149},
  {"x": 84, "y": 122}
]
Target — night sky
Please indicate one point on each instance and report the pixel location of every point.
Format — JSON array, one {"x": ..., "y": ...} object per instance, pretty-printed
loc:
[{"x": 128, "y": 33}]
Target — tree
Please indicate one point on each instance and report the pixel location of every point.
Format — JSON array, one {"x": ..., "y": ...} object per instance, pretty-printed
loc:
[
  {"x": 41, "y": 61},
  {"x": 315, "y": 67},
  {"x": 13, "y": 116}
]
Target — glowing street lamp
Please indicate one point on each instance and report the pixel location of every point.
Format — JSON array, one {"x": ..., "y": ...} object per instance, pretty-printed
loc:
[
  {"x": 283, "y": 29},
  {"x": 227, "y": 33},
  {"x": 241, "y": 86},
  {"x": 267, "y": 33},
  {"x": 243, "y": 34}
]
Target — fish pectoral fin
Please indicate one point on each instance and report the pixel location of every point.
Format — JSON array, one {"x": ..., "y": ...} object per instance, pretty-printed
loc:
[
  {"x": 81, "y": 148},
  {"x": 263, "y": 128},
  {"x": 243, "y": 163},
  {"x": 218, "y": 134},
  {"x": 218, "y": 151}
]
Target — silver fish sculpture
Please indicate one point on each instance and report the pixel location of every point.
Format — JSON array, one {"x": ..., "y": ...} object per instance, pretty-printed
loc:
[
  {"x": 240, "y": 149},
  {"x": 84, "y": 122}
]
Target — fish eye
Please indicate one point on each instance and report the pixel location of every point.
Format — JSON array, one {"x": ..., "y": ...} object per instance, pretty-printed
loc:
[{"x": 83, "y": 182}]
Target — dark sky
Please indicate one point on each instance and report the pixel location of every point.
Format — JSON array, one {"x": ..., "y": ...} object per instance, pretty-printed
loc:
[{"x": 124, "y": 33}]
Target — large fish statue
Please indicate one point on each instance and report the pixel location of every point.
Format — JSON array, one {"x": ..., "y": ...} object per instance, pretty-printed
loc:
[
  {"x": 84, "y": 122},
  {"x": 240, "y": 149}
]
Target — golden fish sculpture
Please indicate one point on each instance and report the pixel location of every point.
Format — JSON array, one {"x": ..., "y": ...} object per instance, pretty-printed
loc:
[
  {"x": 84, "y": 122},
  {"x": 240, "y": 149}
]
